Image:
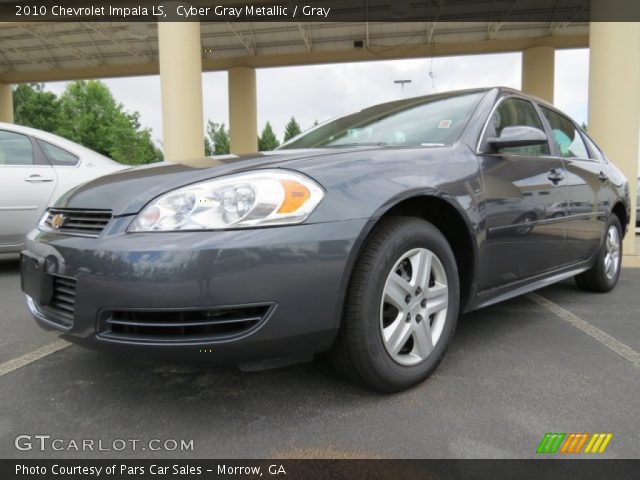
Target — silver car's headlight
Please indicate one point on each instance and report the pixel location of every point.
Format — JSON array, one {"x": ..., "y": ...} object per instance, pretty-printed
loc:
[{"x": 243, "y": 200}]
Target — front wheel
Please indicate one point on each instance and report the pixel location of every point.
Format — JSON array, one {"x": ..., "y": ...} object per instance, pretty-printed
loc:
[
  {"x": 603, "y": 276},
  {"x": 401, "y": 307}
]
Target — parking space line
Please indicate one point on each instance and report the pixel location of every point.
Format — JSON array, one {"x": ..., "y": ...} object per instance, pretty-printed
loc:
[
  {"x": 607, "y": 340},
  {"x": 23, "y": 360}
]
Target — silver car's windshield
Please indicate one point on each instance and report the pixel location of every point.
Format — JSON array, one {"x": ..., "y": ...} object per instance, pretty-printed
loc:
[{"x": 436, "y": 119}]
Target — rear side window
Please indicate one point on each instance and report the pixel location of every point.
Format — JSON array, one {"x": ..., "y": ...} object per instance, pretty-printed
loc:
[
  {"x": 565, "y": 135},
  {"x": 596, "y": 154},
  {"x": 57, "y": 156},
  {"x": 516, "y": 112},
  {"x": 15, "y": 149}
]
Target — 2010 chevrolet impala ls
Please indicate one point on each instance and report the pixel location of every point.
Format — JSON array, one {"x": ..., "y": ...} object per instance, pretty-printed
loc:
[{"x": 365, "y": 237}]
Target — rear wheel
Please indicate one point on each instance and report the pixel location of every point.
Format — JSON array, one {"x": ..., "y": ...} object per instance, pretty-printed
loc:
[
  {"x": 401, "y": 306},
  {"x": 603, "y": 276}
]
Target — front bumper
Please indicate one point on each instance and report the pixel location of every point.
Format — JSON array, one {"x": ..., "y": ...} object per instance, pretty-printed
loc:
[{"x": 297, "y": 275}]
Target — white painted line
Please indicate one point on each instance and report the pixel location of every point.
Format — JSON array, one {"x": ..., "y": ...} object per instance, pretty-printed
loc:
[
  {"x": 604, "y": 338},
  {"x": 27, "y": 358}
]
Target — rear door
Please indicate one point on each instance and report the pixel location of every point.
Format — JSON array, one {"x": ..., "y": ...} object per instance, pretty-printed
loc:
[
  {"x": 27, "y": 183},
  {"x": 591, "y": 195},
  {"x": 521, "y": 187}
]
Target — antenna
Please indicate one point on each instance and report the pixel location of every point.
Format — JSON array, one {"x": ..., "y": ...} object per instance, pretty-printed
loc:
[{"x": 432, "y": 75}]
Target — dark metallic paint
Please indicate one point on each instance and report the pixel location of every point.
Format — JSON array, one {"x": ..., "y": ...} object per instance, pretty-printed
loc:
[{"x": 305, "y": 269}]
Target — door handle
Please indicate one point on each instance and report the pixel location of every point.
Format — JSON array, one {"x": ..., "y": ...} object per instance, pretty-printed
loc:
[
  {"x": 555, "y": 175},
  {"x": 37, "y": 179},
  {"x": 603, "y": 177}
]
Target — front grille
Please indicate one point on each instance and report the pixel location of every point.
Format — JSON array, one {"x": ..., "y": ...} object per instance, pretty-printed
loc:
[
  {"x": 61, "y": 307},
  {"x": 76, "y": 222},
  {"x": 181, "y": 325}
]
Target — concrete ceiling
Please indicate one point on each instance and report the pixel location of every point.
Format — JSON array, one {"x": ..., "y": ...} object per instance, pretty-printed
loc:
[{"x": 59, "y": 51}]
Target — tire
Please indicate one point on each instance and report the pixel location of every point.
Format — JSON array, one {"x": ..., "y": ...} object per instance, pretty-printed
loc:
[
  {"x": 603, "y": 276},
  {"x": 527, "y": 222},
  {"x": 371, "y": 347}
]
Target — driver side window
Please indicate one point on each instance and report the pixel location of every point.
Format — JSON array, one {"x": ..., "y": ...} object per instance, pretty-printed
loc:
[{"x": 516, "y": 112}]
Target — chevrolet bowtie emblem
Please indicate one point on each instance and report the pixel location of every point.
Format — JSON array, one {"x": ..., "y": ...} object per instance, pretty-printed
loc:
[{"x": 57, "y": 220}]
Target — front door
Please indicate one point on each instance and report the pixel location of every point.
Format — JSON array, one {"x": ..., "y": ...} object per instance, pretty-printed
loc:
[{"x": 523, "y": 237}]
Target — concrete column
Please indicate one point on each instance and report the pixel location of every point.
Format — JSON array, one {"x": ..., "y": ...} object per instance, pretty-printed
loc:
[
  {"x": 538, "y": 72},
  {"x": 181, "y": 85},
  {"x": 614, "y": 101},
  {"x": 6, "y": 103},
  {"x": 243, "y": 110}
]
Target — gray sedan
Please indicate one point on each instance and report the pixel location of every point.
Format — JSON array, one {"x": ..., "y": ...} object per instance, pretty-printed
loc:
[{"x": 365, "y": 237}]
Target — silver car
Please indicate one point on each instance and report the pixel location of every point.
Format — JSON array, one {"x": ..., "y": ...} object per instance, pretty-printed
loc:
[{"x": 36, "y": 168}]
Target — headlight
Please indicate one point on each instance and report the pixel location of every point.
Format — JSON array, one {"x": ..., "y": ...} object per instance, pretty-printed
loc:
[{"x": 262, "y": 197}]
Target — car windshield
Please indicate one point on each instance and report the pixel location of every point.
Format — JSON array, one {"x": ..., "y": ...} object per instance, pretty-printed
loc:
[{"x": 422, "y": 121}]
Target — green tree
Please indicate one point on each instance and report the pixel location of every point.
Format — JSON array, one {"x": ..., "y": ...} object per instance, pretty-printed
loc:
[
  {"x": 208, "y": 149},
  {"x": 292, "y": 129},
  {"x": 267, "y": 139},
  {"x": 218, "y": 138},
  {"x": 131, "y": 144},
  {"x": 89, "y": 115},
  {"x": 34, "y": 107}
]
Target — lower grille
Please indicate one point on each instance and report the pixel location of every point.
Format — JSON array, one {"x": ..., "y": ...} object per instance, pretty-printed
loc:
[
  {"x": 61, "y": 307},
  {"x": 181, "y": 325}
]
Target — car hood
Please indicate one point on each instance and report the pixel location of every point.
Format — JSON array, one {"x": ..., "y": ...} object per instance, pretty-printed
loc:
[{"x": 127, "y": 192}]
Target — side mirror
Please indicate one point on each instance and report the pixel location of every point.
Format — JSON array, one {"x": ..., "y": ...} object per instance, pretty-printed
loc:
[{"x": 518, "y": 136}]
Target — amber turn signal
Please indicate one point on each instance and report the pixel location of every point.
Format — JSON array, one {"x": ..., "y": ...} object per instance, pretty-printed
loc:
[{"x": 295, "y": 195}]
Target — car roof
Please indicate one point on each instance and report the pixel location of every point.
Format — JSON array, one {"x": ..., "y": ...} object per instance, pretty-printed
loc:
[
  {"x": 513, "y": 91},
  {"x": 500, "y": 90}
]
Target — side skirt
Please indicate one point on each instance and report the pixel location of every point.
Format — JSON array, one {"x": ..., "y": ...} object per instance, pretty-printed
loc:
[{"x": 500, "y": 294}]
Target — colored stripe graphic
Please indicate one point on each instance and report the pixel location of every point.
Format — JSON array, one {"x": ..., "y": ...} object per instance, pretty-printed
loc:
[
  {"x": 581, "y": 443},
  {"x": 574, "y": 443},
  {"x": 598, "y": 443},
  {"x": 550, "y": 442}
]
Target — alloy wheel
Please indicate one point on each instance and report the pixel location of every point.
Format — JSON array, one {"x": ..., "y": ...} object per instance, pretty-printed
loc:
[
  {"x": 612, "y": 253},
  {"x": 413, "y": 308}
]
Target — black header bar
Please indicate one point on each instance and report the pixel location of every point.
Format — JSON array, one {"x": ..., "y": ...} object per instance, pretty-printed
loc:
[{"x": 557, "y": 11}]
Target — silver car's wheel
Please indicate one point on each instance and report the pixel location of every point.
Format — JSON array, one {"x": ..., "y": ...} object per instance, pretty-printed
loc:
[
  {"x": 612, "y": 253},
  {"x": 413, "y": 307}
]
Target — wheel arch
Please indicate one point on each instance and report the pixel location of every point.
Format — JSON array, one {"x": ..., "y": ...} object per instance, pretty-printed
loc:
[
  {"x": 446, "y": 214},
  {"x": 620, "y": 210}
]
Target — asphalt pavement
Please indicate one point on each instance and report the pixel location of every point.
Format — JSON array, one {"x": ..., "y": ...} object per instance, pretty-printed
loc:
[{"x": 514, "y": 372}]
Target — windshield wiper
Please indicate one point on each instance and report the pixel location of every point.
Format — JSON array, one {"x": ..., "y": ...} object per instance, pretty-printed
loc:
[{"x": 356, "y": 144}]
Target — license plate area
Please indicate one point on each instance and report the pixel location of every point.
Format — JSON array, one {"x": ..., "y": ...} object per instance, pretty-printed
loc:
[{"x": 34, "y": 280}]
